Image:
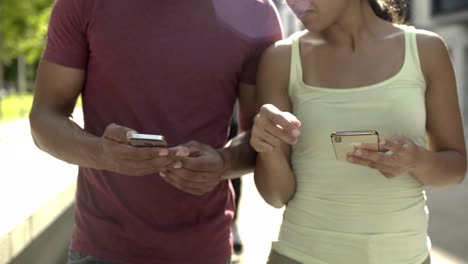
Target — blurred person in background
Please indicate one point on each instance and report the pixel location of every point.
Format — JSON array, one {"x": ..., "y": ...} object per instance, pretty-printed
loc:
[
  {"x": 355, "y": 67},
  {"x": 237, "y": 185},
  {"x": 157, "y": 67}
]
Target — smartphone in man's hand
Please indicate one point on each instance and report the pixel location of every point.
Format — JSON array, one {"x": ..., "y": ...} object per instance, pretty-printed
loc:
[{"x": 147, "y": 140}]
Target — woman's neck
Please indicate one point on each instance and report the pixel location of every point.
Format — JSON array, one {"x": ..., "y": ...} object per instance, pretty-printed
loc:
[{"x": 357, "y": 24}]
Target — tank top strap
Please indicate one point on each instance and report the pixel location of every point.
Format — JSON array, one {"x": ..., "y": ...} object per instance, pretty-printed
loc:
[
  {"x": 295, "y": 74},
  {"x": 412, "y": 64}
]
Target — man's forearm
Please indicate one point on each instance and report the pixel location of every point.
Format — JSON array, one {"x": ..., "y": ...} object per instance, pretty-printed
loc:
[
  {"x": 64, "y": 139},
  {"x": 239, "y": 156}
]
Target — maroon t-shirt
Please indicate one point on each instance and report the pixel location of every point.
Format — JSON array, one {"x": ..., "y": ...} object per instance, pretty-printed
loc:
[{"x": 160, "y": 67}]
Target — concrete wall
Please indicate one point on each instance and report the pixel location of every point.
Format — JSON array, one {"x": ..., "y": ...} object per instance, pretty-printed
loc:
[{"x": 51, "y": 246}]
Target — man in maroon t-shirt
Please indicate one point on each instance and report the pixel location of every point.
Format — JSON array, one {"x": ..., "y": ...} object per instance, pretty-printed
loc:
[{"x": 165, "y": 67}]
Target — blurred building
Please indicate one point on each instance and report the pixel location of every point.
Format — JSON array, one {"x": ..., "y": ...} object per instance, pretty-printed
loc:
[{"x": 449, "y": 19}]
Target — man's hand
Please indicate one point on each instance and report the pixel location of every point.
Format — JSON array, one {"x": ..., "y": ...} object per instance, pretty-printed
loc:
[
  {"x": 272, "y": 127},
  {"x": 197, "y": 173},
  {"x": 122, "y": 158}
]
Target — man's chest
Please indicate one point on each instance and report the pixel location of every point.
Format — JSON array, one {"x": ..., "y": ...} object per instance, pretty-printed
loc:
[{"x": 168, "y": 37}]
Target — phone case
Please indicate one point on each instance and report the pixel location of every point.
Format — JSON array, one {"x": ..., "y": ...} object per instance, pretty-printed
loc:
[{"x": 345, "y": 141}]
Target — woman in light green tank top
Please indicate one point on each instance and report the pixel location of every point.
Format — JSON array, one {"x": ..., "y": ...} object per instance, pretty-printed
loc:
[{"x": 352, "y": 70}]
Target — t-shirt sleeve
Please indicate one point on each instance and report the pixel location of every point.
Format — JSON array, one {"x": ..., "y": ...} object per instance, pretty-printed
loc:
[
  {"x": 67, "y": 43},
  {"x": 269, "y": 31}
]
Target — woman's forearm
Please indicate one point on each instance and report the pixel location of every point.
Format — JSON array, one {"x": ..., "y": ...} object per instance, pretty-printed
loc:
[
  {"x": 274, "y": 178},
  {"x": 440, "y": 169}
]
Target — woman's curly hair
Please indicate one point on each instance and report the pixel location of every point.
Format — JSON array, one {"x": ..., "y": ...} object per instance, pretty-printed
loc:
[{"x": 391, "y": 10}]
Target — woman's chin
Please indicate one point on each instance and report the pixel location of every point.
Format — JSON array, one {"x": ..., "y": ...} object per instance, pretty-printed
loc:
[{"x": 313, "y": 26}]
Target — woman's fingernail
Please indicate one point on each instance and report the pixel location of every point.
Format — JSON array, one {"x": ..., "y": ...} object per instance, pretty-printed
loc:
[
  {"x": 295, "y": 132},
  {"x": 163, "y": 152},
  {"x": 162, "y": 174}
]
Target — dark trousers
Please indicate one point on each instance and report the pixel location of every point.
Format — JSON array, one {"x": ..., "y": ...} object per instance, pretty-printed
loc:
[
  {"x": 237, "y": 184},
  {"x": 75, "y": 257}
]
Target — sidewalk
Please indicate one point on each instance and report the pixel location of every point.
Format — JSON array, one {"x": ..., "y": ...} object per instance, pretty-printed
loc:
[
  {"x": 29, "y": 176},
  {"x": 35, "y": 188}
]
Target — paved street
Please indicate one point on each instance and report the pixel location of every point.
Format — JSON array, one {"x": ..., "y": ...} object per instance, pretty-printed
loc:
[{"x": 258, "y": 223}]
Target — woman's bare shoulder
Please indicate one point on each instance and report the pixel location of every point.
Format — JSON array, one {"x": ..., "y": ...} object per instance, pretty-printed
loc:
[
  {"x": 276, "y": 57},
  {"x": 280, "y": 48},
  {"x": 279, "y": 53},
  {"x": 429, "y": 40},
  {"x": 275, "y": 64},
  {"x": 433, "y": 52}
]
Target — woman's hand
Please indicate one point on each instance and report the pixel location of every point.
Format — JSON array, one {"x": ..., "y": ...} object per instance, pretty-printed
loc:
[
  {"x": 272, "y": 127},
  {"x": 396, "y": 156}
]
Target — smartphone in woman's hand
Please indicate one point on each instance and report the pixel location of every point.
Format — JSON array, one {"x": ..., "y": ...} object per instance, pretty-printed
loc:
[{"x": 344, "y": 141}]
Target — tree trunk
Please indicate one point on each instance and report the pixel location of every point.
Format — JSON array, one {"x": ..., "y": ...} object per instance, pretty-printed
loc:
[
  {"x": 21, "y": 83},
  {"x": 2, "y": 86},
  {"x": 2, "y": 81}
]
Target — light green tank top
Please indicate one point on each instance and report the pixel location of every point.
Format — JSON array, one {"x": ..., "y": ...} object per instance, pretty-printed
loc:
[{"x": 345, "y": 213}]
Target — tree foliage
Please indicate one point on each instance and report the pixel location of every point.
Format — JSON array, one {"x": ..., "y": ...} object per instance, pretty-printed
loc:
[{"x": 23, "y": 28}]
